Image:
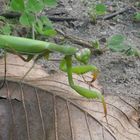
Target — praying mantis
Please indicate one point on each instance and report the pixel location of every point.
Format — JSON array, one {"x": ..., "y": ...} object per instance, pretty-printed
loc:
[{"x": 35, "y": 48}]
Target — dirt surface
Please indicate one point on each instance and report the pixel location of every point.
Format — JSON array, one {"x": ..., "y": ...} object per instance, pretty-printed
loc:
[{"x": 120, "y": 74}]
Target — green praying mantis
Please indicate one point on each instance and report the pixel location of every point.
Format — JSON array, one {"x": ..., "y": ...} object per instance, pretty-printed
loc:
[{"x": 35, "y": 48}]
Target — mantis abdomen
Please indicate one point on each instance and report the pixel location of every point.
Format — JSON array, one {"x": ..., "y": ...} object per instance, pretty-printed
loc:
[{"x": 29, "y": 46}]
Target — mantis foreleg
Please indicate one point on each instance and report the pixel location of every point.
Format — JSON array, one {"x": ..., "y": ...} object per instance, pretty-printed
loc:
[
  {"x": 81, "y": 69},
  {"x": 83, "y": 91}
]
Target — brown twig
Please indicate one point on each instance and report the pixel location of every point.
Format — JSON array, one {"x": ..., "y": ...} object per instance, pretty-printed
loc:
[
  {"x": 107, "y": 17},
  {"x": 82, "y": 42},
  {"x": 74, "y": 39},
  {"x": 10, "y": 15},
  {"x": 53, "y": 18},
  {"x": 59, "y": 19}
]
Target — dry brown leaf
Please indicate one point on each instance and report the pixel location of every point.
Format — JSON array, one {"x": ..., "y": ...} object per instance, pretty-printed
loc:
[{"x": 47, "y": 108}]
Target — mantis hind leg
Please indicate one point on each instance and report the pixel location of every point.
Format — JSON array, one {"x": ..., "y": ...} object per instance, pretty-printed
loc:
[
  {"x": 28, "y": 71},
  {"x": 5, "y": 70},
  {"x": 35, "y": 60},
  {"x": 29, "y": 57}
]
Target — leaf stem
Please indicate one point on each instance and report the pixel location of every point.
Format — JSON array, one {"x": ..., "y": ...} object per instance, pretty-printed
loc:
[{"x": 33, "y": 31}]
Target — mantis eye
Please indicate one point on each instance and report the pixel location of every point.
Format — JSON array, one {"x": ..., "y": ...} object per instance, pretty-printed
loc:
[{"x": 83, "y": 55}]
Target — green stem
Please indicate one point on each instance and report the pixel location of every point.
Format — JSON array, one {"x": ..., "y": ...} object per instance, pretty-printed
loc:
[{"x": 33, "y": 31}]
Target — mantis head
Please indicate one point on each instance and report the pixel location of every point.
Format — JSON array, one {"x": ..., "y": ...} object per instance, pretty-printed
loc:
[{"x": 83, "y": 55}]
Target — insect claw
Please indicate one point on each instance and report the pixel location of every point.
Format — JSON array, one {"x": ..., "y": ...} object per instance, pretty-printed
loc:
[{"x": 94, "y": 76}]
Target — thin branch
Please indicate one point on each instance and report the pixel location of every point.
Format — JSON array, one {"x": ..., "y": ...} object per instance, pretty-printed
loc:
[
  {"x": 109, "y": 16},
  {"x": 82, "y": 42}
]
